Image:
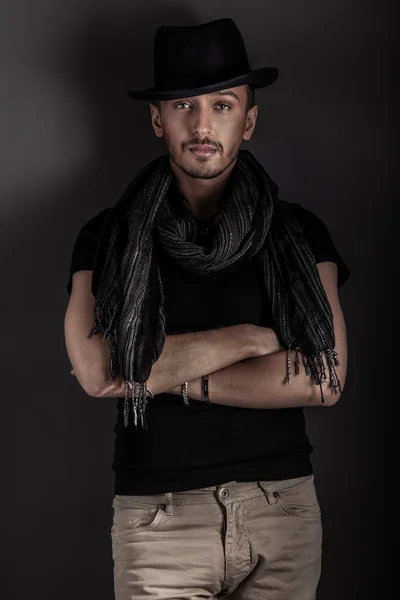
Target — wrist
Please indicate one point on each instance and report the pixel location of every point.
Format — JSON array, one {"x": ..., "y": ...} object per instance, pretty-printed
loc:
[
  {"x": 274, "y": 342},
  {"x": 195, "y": 389},
  {"x": 263, "y": 341},
  {"x": 250, "y": 341}
]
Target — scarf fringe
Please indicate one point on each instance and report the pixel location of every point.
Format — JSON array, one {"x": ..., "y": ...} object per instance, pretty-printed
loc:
[
  {"x": 105, "y": 323},
  {"x": 135, "y": 398},
  {"x": 314, "y": 367},
  {"x": 135, "y": 391}
]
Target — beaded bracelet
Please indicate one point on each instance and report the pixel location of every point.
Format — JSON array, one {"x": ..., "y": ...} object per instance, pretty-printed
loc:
[{"x": 185, "y": 392}]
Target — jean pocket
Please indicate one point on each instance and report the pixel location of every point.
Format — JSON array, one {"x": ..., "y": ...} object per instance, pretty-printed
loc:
[
  {"x": 131, "y": 518},
  {"x": 298, "y": 499}
]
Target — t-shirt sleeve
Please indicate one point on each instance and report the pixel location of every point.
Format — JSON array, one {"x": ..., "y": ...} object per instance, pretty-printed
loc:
[
  {"x": 84, "y": 249},
  {"x": 320, "y": 240}
]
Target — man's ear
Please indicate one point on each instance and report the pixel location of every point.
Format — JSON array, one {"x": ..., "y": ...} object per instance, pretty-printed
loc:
[
  {"x": 156, "y": 120},
  {"x": 251, "y": 119}
]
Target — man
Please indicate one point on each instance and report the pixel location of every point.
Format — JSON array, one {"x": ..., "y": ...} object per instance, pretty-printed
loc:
[{"x": 213, "y": 316}]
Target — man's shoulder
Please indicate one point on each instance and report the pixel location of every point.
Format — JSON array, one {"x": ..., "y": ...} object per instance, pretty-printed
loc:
[
  {"x": 99, "y": 218},
  {"x": 319, "y": 239},
  {"x": 93, "y": 226},
  {"x": 303, "y": 215}
]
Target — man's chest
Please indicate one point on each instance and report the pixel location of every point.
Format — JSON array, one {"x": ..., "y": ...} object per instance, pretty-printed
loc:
[{"x": 195, "y": 302}]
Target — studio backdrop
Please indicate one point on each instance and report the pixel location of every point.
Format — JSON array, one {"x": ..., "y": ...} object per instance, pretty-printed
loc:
[{"x": 71, "y": 140}]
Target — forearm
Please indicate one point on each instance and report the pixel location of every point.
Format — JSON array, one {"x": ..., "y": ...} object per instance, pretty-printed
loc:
[
  {"x": 188, "y": 356},
  {"x": 261, "y": 383}
]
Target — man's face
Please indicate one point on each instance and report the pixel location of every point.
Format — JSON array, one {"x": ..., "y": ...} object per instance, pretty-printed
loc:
[{"x": 204, "y": 133}]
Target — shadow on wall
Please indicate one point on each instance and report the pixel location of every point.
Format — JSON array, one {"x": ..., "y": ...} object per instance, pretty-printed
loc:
[{"x": 60, "y": 439}]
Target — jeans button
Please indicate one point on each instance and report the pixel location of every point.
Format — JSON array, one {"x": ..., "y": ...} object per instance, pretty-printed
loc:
[{"x": 224, "y": 493}]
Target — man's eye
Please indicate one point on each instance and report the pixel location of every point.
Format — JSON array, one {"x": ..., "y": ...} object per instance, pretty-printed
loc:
[{"x": 187, "y": 104}]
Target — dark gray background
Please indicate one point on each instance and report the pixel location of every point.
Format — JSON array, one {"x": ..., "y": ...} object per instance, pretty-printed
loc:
[{"x": 71, "y": 140}]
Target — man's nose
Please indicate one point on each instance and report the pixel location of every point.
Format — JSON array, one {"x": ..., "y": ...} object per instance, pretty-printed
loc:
[{"x": 201, "y": 122}]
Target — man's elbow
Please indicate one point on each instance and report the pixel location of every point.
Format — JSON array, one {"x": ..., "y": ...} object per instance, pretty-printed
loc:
[
  {"x": 330, "y": 397},
  {"x": 94, "y": 392},
  {"x": 92, "y": 385},
  {"x": 108, "y": 389},
  {"x": 93, "y": 389},
  {"x": 100, "y": 385}
]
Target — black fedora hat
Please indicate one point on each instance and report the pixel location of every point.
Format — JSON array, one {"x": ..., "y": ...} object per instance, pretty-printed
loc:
[{"x": 200, "y": 59}]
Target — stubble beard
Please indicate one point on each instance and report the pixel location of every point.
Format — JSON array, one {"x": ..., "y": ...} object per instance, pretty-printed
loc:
[{"x": 205, "y": 170}]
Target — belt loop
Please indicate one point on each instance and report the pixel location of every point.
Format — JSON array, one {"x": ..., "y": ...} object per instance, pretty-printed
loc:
[
  {"x": 271, "y": 496},
  {"x": 169, "y": 508}
]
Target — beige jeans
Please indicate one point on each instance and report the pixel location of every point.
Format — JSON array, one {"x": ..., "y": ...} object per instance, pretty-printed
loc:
[{"x": 249, "y": 541}]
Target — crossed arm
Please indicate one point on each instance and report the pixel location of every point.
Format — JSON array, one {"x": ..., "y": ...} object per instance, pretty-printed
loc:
[
  {"x": 260, "y": 382},
  {"x": 245, "y": 364}
]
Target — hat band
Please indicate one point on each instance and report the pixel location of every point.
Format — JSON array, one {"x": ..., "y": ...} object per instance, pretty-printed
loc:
[{"x": 187, "y": 83}]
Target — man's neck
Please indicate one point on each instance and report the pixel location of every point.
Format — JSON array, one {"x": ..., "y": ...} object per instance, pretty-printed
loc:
[{"x": 204, "y": 196}]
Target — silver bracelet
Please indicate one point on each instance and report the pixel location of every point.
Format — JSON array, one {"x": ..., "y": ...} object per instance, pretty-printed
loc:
[
  {"x": 149, "y": 393},
  {"x": 185, "y": 392}
]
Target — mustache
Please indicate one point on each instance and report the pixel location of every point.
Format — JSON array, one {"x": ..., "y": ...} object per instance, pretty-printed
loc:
[{"x": 204, "y": 142}]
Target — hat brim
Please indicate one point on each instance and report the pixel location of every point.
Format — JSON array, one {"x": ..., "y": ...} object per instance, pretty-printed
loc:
[{"x": 258, "y": 79}]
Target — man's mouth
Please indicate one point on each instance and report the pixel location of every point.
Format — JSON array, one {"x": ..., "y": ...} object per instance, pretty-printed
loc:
[{"x": 202, "y": 150}]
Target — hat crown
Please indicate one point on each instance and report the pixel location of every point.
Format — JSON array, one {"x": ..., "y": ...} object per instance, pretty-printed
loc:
[
  {"x": 201, "y": 59},
  {"x": 208, "y": 52}
]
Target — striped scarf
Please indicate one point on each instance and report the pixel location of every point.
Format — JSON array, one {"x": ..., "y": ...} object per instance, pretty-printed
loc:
[{"x": 127, "y": 286}]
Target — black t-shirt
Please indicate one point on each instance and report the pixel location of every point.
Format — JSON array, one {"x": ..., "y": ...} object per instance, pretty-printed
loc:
[{"x": 199, "y": 445}]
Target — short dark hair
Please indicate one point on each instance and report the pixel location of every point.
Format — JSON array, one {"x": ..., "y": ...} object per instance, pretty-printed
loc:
[{"x": 251, "y": 99}]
